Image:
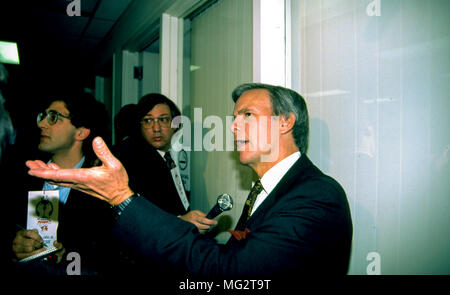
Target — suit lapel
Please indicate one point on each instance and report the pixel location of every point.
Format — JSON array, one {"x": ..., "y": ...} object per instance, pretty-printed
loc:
[{"x": 301, "y": 170}]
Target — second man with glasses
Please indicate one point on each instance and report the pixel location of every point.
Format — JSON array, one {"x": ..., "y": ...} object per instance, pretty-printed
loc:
[{"x": 146, "y": 155}]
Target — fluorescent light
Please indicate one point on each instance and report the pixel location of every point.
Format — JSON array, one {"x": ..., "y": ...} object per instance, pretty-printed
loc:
[
  {"x": 194, "y": 68},
  {"x": 9, "y": 53},
  {"x": 326, "y": 93}
]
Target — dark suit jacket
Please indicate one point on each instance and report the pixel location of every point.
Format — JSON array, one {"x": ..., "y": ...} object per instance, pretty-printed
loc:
[
  {"x": 303, "y": 226},
  {"x": 84, "y": 227},
  {"x": 148, "y": 174}
]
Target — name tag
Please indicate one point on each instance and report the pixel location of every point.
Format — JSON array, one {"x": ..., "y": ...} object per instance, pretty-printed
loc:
[
  {"x": 42, "y": 215},
  {"x": 179, "y": 185}
]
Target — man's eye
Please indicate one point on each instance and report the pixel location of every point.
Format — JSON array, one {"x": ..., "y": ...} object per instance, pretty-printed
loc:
[
  {"x": 148, "y": 120},
  {"x": 53, "y": 117},
  {"x": 164, "y": 120},
  {"x": 248, "y": 114}
]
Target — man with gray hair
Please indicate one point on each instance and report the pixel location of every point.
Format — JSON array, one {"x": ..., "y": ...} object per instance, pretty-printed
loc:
[{"x": 296, "y": 219}]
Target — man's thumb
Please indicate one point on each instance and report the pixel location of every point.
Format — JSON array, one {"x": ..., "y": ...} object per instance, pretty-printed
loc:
[{"x": 103, "y": 153}]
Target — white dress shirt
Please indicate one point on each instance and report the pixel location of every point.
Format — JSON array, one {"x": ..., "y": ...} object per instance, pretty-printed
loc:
[{"x": 273, "y": 176}]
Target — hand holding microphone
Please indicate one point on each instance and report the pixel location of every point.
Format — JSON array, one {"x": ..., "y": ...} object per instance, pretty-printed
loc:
[{"x": 204, "y": 222}]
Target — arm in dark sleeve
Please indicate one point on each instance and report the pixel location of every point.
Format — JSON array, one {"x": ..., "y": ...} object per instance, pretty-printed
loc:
[{"x": 286, "y": 241}]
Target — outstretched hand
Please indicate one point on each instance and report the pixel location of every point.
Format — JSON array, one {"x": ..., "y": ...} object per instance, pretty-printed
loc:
[{"x": 108, "y": 182}]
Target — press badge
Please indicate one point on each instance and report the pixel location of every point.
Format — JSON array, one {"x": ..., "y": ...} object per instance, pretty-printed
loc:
[
  {"x": 43, "y": 214},
  {"x": 179, "y": 185}
]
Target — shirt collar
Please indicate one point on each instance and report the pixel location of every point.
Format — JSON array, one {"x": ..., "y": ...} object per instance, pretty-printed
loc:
[
  {"x": 79, "y": 165},
  {"x": 48, "y": 186},
  {"x": 162, "y": 154},
  {"x": 271, "y": 178}
]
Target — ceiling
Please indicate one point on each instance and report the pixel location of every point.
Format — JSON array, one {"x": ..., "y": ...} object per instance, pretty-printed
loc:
[
  {"x": 82, "y": 33},
  {"x": 50, "y": 39}
]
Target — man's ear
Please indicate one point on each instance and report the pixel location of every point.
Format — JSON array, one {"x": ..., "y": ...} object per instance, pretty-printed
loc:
[
  {"x": 82, "y": 133},
  {"x": 286, "y": 124}
]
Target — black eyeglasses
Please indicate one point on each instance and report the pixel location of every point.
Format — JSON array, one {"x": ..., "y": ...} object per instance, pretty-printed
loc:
[
  {"x": 164, "y": 122},
  {"x": 52, "y": 117}
]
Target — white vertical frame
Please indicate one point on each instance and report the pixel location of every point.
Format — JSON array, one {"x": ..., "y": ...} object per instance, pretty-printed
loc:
[
  {"x": 171, "y": 57},
  {"x": 171, "y": 54},
  {"x": 288, "y": 44},
  {"x": 171, "y": 36},
  {"x": 256, "y": 40},
  {"x": 271, "y": 58}
]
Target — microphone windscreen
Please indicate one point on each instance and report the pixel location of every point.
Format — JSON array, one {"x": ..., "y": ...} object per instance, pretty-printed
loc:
[{"x": 224, "y": 203}]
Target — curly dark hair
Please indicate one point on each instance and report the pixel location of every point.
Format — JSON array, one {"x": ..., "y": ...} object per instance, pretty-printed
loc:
[{"x": 85, "y": 111}]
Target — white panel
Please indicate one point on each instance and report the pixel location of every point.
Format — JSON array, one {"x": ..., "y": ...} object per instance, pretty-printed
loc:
[
  {"x": 221, "y": 59},
  {"x": 269, "y": 52},
  {"x": 173, "y": 64},
  {"x": 165, "y": 53},
  {"x": 172, "y": 58},
  {"x": 377, "y": 89}
]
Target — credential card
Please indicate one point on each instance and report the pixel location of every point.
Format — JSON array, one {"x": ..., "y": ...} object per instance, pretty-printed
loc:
[{"x": 43, "y": 214}]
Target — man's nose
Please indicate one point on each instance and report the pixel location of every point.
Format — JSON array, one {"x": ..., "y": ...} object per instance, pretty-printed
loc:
[
  {"x": 43, "y": 123},
  {"x": 233, "y": 126},
  {"x": 156, "y": 126}
]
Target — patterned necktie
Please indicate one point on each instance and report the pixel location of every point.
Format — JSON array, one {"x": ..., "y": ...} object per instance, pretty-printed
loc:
[
  {"x": 169, "y": 161},
  {"x": 256, "y": 189}
]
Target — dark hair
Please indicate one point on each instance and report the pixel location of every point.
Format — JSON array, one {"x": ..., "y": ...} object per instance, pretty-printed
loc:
[
  {"x": 284, "y": 101},
  {"x": 124, "y": 121},
  {"x": 85, "y": 111},
  {"x": 149, "y": 101}
]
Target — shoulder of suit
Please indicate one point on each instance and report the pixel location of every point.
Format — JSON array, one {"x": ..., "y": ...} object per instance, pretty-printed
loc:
[
  {"x": 124, "y": 147},
  {"x": 134, "y": 148},
  {"x": 311, "y": 183}
]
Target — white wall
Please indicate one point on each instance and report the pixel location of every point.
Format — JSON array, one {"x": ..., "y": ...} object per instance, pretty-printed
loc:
[
  {"x": 376, "y": 80},
  {"x": 221, "y": 56}
]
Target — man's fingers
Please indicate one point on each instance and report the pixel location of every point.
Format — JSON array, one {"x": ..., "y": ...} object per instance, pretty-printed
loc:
[
  {"x": 198, "y": 218},
  {"x": 22, "y": 255},
  {"x": 26, "y": 243},
  {"x": 201, "y": 218},
  {"x": 207, "y": 221},
  {"x": 58, "y": 245},
  {"x": 104, "y": 154},
  {"x": 199, "y": 213},
  {"x": 31, "y": 234},
  {"x": 78, "y": 179},
  {"x": 38, "y": 164},
  {"x": 53, "y": 166},
  {"x": 55, "y": 175}
]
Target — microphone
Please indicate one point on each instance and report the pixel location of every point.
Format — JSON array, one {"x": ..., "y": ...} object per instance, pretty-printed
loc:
[{"x": 224, "y": 203}]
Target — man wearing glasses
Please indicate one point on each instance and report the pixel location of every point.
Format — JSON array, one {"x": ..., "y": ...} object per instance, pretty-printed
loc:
[
  {"x": 147, "y": 157},
  {"x": 152, "y": 172},
  {"x": 67, "y": 127}
]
